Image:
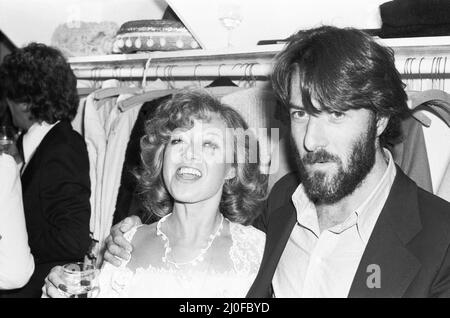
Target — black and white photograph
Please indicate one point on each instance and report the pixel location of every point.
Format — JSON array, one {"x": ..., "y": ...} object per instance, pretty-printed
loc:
[{"x": 224, "y": 154}]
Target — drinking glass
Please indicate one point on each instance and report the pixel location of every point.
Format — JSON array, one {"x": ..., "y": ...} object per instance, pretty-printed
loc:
[
  {"x": 6, "y": 138},
  {"x": 230, "y": 16},
  {"x": 81, "y": 280}
]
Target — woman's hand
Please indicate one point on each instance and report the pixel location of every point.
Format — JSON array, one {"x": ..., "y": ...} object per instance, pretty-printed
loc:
[
  {"x": 54, "y": 286},
  {"x": 117, "y": 247}
]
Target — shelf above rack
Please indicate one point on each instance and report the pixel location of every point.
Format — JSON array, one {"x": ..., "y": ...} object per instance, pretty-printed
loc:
[
  {"x": 425, "y": 49},
  {"x": 259, "y": 52}
]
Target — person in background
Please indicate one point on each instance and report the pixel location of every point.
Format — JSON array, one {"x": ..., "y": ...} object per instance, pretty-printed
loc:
[
  {"x": 16, "y": 260},
  {"x": 350, "y": 223},
  {"x": 202, "y": 179},
  {"x": 39, "y": 87}
]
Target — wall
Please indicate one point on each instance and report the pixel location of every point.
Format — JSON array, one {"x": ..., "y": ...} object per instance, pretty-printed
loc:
[
  {"x": 272, "y": 19},
  {"x": 24, "y": 21}
]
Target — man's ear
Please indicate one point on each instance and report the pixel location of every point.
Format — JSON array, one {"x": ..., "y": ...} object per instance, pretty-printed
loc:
[
  {"x": 231, "y": 173},
  {"x": 23, "y": 107},
  {"x": 382, "y": 122}
]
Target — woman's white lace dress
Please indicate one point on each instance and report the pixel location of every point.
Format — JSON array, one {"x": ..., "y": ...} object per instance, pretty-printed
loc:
[{"x": 159, "y": 280}]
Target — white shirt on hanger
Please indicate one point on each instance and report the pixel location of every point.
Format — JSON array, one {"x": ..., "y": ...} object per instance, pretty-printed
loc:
[{"x": 107, "y": 132}]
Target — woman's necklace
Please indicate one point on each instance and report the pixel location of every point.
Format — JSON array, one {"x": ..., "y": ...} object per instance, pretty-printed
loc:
[{"x": 167, "y": 249}]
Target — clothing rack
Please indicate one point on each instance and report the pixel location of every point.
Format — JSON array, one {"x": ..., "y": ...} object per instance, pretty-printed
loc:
[
  {"x": 410, "y": 67},
  {"x": 172, "y": 71},
  {"x": 415, "y": 58},
  {"x": 253, "y": 63},
  {"x": 424, "y": 67}
]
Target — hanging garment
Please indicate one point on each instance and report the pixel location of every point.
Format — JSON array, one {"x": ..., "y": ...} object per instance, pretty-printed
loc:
[
  {"x": 411, "y": 154},
  {"x": 119, "y": 128},
  {"x": 94, "y": 129},
  {"x": 78, "y": 121},
  {"x": 444, "y": 187},
  {"x": 84, "y": 88},
  {"x": 434, "y": 106},
  {"x": 282, "y": 161},
  {"x": 127, "y": 202},
  {"x": 107, "y": 131},
  {"x": 437, "y": 140},
  {"x": 96, "y": 140},
  {"x": 257, "y": 106}
]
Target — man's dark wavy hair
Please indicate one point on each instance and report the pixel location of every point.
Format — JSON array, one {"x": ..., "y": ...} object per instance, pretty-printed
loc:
[
  {"x": 40, "y": 76},
  {"x": 342, "y": 69},
  {"x": 242, "y": 196}
]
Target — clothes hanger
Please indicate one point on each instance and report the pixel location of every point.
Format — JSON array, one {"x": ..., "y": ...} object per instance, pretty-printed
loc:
[
  {"x": 433, "y": 79},
  {"x": 196, "y": 79},
  {"x": 251, "y": 76},
  {"x": 420, "y": 74},
  {"x": 107, "y": 92},
  {"x": 221, "y": 80},
  {"x": 168, "y": 75},
  {"x": 143, "y": 98},
  {"x": 84, "y": 91},
  {"x": 438, "y": 72},
  {"x": 419, "y": 116},
  {"x": 407, "y": 68},
  {"x": 435, "y": 101},
  {"x": 146, "y": 95},
  {"x": 222, "y": 85},
  {"x": 87, "y": 88}
]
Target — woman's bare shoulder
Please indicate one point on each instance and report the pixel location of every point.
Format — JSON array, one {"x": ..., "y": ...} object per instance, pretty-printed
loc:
[
  {"x": 144, "y": 234},
  {"x": 146, "y": 247}
]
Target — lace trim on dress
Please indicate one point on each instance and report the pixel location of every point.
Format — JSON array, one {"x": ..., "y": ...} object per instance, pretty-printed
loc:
[
  {"x": 245, "y": 253},
  {"x": 247, "y": 249}
]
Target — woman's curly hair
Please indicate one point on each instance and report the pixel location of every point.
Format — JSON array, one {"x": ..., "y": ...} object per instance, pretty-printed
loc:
[
  {"x": 40, "y": 76},
  {"x": 242, "y": 195}
]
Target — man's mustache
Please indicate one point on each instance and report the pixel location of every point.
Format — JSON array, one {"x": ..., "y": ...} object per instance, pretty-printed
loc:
[{"x": 320, "y": 156}]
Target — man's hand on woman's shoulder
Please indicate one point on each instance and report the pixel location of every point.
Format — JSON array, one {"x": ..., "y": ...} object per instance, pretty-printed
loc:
[{"x": 117, "y": 246}]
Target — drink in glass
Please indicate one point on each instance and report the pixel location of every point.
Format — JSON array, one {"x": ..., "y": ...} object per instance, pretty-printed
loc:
[
  {"x": 6, "y": 138},
  {"x": 81, "y": 280}
]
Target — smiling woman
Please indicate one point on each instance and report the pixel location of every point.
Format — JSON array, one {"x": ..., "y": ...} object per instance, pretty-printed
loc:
[{"x": 204, "y": 196}]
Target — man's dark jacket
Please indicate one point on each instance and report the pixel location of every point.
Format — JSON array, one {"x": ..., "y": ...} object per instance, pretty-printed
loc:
[{"x": 410, "y": 243}]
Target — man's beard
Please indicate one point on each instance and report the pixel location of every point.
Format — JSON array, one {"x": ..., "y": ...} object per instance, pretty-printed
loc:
[{"x": 323, "y": 189}]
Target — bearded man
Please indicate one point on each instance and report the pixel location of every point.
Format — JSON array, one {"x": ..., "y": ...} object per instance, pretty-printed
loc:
[{"x": 356, "y": 225}]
